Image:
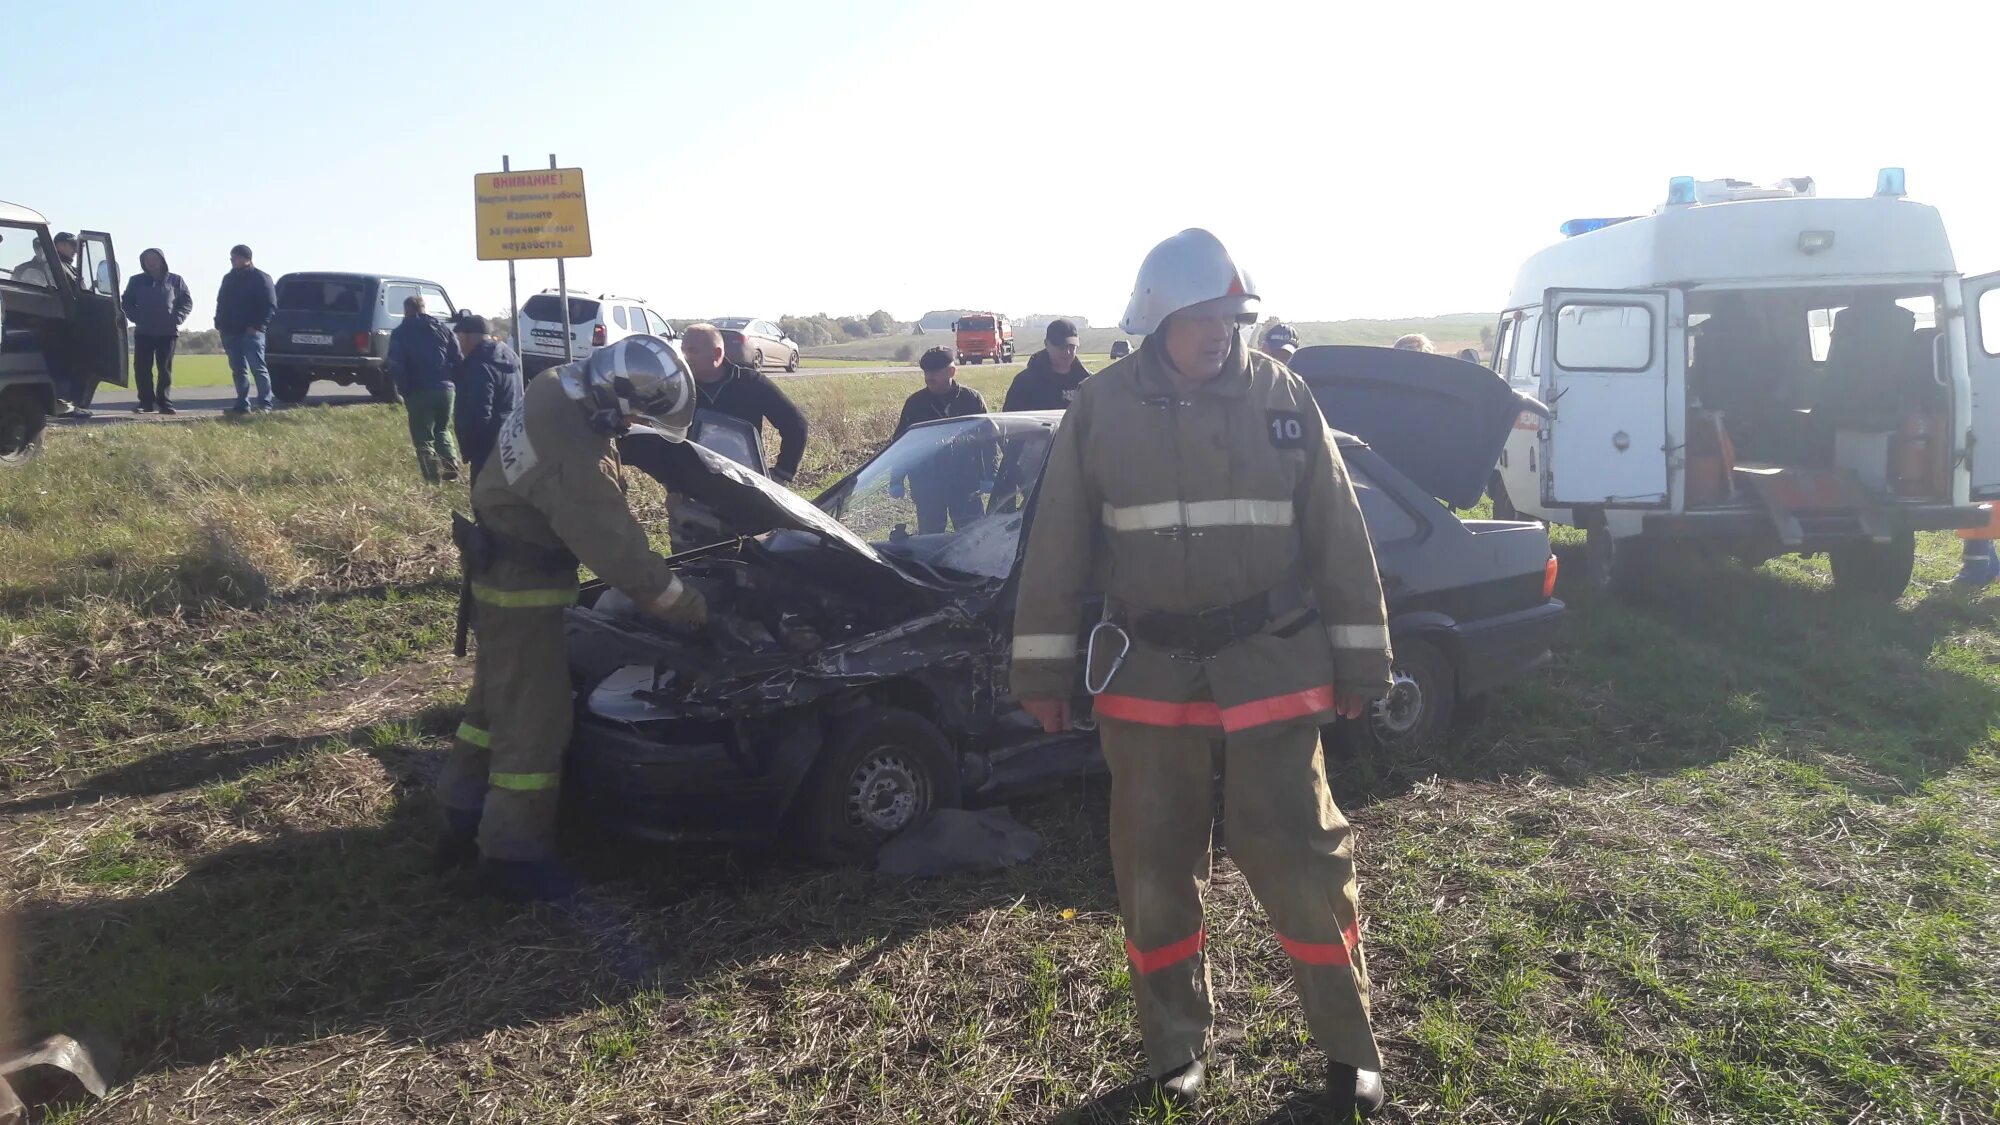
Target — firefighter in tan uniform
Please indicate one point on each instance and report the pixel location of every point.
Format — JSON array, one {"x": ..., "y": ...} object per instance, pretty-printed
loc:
[
  {"x": 550, "y": 495},
  {"x": 1194, "y": 485}
]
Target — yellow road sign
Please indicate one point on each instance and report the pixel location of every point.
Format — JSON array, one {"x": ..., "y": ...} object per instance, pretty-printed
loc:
[{"x": 531, "y": 213}]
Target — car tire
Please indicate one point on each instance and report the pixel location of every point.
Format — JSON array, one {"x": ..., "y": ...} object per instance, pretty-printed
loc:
[
  {"x": 881, "y": 770},
  {"x": 23, "y": 418},
  {"x": 1876, "y": 572},
  {"x": 1417, "y": 715},
  {"x": 380, "y": 387},
  {"x": 290, "y": 385},
  {"x": 794, "y": 364},
  {"x": 757, "y": 361}
]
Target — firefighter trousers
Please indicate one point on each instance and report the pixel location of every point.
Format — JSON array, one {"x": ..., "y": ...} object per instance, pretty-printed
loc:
[
  {"x": 506, "y": 762},
  {"x": 1288, "y": 839}
]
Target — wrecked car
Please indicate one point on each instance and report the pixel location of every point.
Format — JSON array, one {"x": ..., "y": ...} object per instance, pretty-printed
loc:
[{"x": 853, "y": 673}]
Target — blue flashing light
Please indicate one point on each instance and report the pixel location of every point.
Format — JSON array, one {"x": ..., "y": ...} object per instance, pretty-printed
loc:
[
  {"x": 1584, "y": 226},
  {"x": 1889, "y": 181},
  {"x": 1680, "y": 189}
]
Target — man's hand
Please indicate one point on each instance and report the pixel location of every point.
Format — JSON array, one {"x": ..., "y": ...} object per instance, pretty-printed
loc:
[
  {"x": 1052, "y": 713},
  {"x": 1351, "y": 706},
  {"x": 683, "y": 606}
]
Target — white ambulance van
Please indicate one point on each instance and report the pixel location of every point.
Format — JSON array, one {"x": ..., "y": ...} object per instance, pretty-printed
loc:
[{"x": 1759, "y": 368}]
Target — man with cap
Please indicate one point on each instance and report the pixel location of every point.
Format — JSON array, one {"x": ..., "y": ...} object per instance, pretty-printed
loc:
[
  {"x": 551, "y": 496},
  {"x": 73, "y": 393},
  {"x": 947, "y": 486},
  {"x": 244, "y": 306},
  {"x": 422, "y": 356},
  {"x": 488, "y": 378},
  {"x": 1281, "y": 343},
  {"x": 1194, "y": 486},
  {"x": 1050, "y": 380}
]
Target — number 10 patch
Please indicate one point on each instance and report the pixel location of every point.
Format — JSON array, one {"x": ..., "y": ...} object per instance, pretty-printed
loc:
[{"x": 1287, "y": 429}]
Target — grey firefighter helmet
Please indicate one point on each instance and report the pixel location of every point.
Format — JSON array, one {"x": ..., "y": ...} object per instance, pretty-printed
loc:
[{"x": 640, "y": 378}]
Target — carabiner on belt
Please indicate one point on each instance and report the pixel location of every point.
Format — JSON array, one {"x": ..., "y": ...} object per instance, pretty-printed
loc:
[{"x": 1090, "y": 654}]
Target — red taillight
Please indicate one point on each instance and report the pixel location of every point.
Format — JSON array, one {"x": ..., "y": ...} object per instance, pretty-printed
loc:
[
  {"x": 1549, "y": 577},
  {"x": 597, "y": 336},
  {"x": 361, "y": 342}
]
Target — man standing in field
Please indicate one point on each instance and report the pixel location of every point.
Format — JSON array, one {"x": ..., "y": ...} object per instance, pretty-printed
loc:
[
  {"x": 157, "y": 302},
  {"x": 422, "y": 354},
  {"x": 740, "y": 391},
  {"x": 1050, "y": 380},
  {"x": 488, "y": 379},
  {"x": 945, "y": 488},
  {"x": 1194, "y": 486},
  {"x": 244, "y": 306}
]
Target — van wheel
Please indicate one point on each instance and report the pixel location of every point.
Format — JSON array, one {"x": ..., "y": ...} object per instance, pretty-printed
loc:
[
  {"x": 1876, "y": 572},
  {"x": 882, "y": 770},
  {"x": 290, "y": 385},
  {"x": 1416, "y": 716},
  {"x": 22, "y": 420},
  {"x": 1621, "y": 567}
]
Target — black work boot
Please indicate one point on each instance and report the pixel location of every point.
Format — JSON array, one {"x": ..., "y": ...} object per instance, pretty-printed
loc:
[
  {"x": 526, "y": 880},
  {"x": 1352, "y": 1091},
  {"x": 1183, "y": 1086},
  {"x": 458, "y": 844}
]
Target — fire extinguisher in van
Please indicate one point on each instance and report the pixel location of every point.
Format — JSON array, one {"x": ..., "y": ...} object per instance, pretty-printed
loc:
[{"x": 1912, "y": 458}]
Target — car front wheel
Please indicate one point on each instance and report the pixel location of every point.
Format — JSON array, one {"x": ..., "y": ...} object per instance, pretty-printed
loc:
[
  {"x": 883, "y": 769},
  {"x": 1416, "y": 716},
  {"x": 794, "y": 364},
  {"x": 290, "y": 385}
]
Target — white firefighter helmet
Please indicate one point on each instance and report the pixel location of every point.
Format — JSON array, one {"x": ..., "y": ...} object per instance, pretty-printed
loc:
[
  {"x": 640, "y": 377},
  {"x": 1191, "y": 268}
]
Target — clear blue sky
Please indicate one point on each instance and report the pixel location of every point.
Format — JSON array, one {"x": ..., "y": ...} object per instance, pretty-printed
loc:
[{"x": 766, "y": 158}]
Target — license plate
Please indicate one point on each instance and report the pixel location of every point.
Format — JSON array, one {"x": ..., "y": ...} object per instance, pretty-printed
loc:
[{"x": 310, "y": 338}]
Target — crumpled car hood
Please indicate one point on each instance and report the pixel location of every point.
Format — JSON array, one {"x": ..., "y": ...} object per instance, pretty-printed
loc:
[
  {"x": 1438, "y": 419},
  {"x": 746, "y": 503}
]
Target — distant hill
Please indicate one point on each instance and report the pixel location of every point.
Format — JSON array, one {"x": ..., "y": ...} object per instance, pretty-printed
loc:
[{"x": 1449, "y": 333}]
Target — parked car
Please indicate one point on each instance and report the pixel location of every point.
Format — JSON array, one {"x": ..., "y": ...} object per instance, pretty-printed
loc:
[
  {"x": 853, "y": 674},
  {"x": 593, "y": 323},
  {"x": 336, "y": 326},
  {"x": 79, "y": 318},
  {"x": 759, "y": 343},
  {"x": 1120, "y": 349}
]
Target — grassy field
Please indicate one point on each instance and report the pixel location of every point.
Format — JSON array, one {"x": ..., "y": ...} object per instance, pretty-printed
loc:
[
  {"x": 1734, "y": 858},
  {"x": 1449, "y": 333}
]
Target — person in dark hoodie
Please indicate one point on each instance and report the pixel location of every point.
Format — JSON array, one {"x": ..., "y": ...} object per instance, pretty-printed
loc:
[
  {"x": 157, "y": 302},
  {"x": 244, "y": 305},
  {"x": 422, "y": 356},
  {"x": 945, "y": 487},
  {"x": 488, "y": 377},
  {"x": 1050, "y": 380},
  {"x": 742, "y": 392}
]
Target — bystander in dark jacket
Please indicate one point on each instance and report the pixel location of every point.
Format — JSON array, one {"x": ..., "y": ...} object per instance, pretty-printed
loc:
[
  {"x": 488, "y": 377},
  {"x": 422, "y": 356},
  {"x": 157, "y": 302}
]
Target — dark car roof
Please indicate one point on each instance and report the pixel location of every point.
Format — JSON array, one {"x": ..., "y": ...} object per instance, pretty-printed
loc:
[{"x": 344, "y": 275}]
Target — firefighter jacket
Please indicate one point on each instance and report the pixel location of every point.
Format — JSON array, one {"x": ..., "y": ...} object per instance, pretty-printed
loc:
[
  {"x": 554, "y": 483},
  {"x": 1171, "y": 501}
]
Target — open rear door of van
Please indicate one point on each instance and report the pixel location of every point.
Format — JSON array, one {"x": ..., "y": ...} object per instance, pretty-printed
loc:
[
  {"x": 1606, "y": 356},
  {"x": 1982, "y": 362}
]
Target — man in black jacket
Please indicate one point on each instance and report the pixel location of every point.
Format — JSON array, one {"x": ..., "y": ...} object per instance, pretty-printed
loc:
[
  {"x": 946, "y": 486},
  {"x": 743, "y": 392},
  {"x": 1053, "y": 374},
  {"x": 489, "y": 388},
  {"x": 157, "y": 302},
  {"x": 243, "y": 309}
]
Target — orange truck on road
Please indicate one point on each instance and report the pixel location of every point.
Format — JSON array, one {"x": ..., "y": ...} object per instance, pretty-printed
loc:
[{"x": 983, "y": 336}]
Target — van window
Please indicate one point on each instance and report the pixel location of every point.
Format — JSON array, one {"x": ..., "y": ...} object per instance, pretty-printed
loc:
[
  {"x": 393, "y": 296},
  {"x": 435, "y": 302},
  {"x": 324, "y": 295},
  {"x": 1819, "y": 322},
  {"x": 1606, "y": 337},
  {"x": 1528, "y": 347},
  {"x": 1989, "y": 322},
  {"x": 547, "y": 308},
  {"x": 1503, "y": 349}
]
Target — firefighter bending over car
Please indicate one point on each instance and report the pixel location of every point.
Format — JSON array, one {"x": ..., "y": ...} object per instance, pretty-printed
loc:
[
  {"x": 1194, "y": 485},
  {"x": 550, "y": 496}
]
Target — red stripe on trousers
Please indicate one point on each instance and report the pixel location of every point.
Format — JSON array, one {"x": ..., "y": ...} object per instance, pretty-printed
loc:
[
  {"x": 1243, "y": 716},
  {"x": 1153, "y": 960},
  {"x": 1323, "y": 952}
]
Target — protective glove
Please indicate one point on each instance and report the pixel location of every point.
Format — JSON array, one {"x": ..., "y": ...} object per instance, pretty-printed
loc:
[{"x": 682, "y": 605}]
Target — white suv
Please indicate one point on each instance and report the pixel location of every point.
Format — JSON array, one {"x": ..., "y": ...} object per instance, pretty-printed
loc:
[{"x": 594, "y": 321}]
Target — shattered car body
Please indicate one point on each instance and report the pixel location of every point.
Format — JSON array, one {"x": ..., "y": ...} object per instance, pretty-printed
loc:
[{"x": 853, "y": 674}]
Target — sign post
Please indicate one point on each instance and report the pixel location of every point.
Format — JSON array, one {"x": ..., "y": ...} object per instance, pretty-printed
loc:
[{"x": 532, "y": 215}]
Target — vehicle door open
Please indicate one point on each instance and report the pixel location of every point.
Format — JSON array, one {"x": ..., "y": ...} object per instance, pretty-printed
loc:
[
  {"x": 1606, "y": 360},
  {"x": 1982, "y": 362},
  {"x": 100, "y": 316}
]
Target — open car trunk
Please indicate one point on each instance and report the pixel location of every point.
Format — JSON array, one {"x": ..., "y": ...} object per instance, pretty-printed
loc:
[{"x": 1440, "y": 421}]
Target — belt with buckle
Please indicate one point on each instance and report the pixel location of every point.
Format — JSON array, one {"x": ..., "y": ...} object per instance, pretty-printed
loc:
[{"x": 1212, "y": 630}]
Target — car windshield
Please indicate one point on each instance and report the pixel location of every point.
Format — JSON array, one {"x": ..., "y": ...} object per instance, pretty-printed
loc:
[
  {"x": 975, "y": 324},
  {"x": 731, "y": 322},
  {"x": 948, "y": 496}
]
